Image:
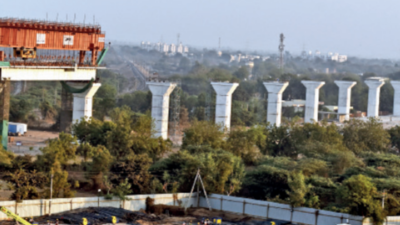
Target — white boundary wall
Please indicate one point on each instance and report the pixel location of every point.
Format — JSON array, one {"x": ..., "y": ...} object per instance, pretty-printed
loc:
[
  {"x": 250, "y": 207},
  {"x": 273, "y": 210},
  {"x": 29, "y": 208}
]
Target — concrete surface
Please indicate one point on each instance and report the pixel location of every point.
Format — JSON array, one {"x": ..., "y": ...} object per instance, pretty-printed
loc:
[
  {"x": 374, "y": 91},
  {"x": 344, "y": 98},
  {"x": 274, "y": 110},
  {"x": 312, "y": 97},
  {"x": 160, "y": 106},
  {"x": 223, "y": 106}
]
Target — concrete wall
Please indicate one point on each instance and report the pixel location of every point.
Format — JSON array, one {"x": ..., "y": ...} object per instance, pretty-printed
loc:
[
  {"x": 238, "y": 205},
  {"x": 273, "y": 210},
  {"x": 41, "y": 207}
]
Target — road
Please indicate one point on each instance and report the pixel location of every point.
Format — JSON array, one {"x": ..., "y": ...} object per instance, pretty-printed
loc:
[{"x": 140, "y": 84}]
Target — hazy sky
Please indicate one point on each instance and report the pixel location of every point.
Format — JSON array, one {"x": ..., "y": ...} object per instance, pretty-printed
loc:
[{"x": 368, "y": 28}]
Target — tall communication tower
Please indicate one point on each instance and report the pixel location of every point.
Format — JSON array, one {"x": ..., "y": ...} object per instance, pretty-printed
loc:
[
  {"x": 281, "y": 48},
  {"x": 178, "y": 39}
]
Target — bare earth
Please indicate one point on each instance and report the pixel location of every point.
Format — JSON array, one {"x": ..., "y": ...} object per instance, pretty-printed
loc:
[{"x": 31, "y": 140}]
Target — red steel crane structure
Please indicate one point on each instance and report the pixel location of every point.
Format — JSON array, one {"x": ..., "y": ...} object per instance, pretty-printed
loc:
[
  {"x": 33, "y": 42},
  {"x": 38, "y": 50}
]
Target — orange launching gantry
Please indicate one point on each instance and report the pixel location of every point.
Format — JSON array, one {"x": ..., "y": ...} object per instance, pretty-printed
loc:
[{"x": 33, "y": 42}]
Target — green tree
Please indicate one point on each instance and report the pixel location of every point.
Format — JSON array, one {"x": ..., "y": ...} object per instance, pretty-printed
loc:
[
  {"x": 26, "y": 184},
  {"x": 47, "y": 110},
  {"x": 100, "y": 165},
  {"x": 244, "y": 143},
  {"x": 361, "y": 136},
  {"x": 204, "y": 133},
  {"x": 184, "y": 64},
  {"x": 123, "y": 189},
  {"x": 394, "y": 133},
  {"x": 222, "y": 172},
  {"x": 104, "y": 100},
  {"x": 358, "y": 193},
  {"x": 242, "y": 73},
  {"x": 298, "y": 189},
  {"x": 92, "y": 131},
  {"x": 57, "y": 153},
  {"x": 135, "y": 168}
]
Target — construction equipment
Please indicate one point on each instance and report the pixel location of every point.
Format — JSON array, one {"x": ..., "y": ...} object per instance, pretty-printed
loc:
[
  {"x": 14, "y": 216},
  {"x": 46, "y": 41}
]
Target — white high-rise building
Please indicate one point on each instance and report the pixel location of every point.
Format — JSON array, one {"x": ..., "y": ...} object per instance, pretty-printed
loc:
[
  {"x": 172, "y": 48},
  {"x": 164, "y": 48},
  {"x": 180, "y": 48}
]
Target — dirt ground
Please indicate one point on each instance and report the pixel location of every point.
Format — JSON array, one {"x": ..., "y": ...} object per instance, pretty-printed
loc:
[{"x": 31, "y": 142}]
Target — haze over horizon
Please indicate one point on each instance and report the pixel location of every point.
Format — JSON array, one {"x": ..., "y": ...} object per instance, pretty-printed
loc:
[{"x": 364, "y": 28}]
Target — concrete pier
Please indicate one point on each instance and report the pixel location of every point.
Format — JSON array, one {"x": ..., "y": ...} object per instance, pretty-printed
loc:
[
  {"x": 374, "y": 91},
  {"x": 396, "y": 100},
  {"x": 224, "y": 102},
  {"x": 312, "y": 99},
  {"x": 274, "y": 111},
  {"x": 83, "y": 102},
  {"x": 160, "y": 106},
  {"x": 344, "y": 98}
]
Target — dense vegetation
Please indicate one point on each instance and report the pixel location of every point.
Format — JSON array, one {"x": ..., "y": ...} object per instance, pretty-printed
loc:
[{"x": 347, "y": 169}]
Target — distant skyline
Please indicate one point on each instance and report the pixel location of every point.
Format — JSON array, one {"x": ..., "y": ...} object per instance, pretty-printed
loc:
[{"x": 364, "y": 28}]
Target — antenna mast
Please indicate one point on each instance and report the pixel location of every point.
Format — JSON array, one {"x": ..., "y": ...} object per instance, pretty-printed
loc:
[{"x": 281, "y": 48}]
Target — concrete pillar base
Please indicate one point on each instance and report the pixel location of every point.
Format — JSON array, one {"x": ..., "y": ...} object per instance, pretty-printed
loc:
[
  {"x": 160, "y": 106},
  {"x": 344, "y": 98},
  {"x": 374, "y": 91},
  {"x": 396, "y": 100},
  {"x": 224, "y": 102},
  {"x": 312, "y": 99},
  {"x": 274, "y": 111},
  {"x": 83, "y": 102}
]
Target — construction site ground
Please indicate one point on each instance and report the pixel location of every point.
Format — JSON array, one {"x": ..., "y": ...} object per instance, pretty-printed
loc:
[
  {"x": 103, "y": 215},
  {"x": 31, "y": 142}
]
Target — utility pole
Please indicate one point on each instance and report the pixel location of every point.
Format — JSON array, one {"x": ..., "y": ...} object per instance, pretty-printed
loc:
[
  {"x": 51, "y": 190},
  {"x": 55, "y": 96},
  {"x": 281, "y": 48}
]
